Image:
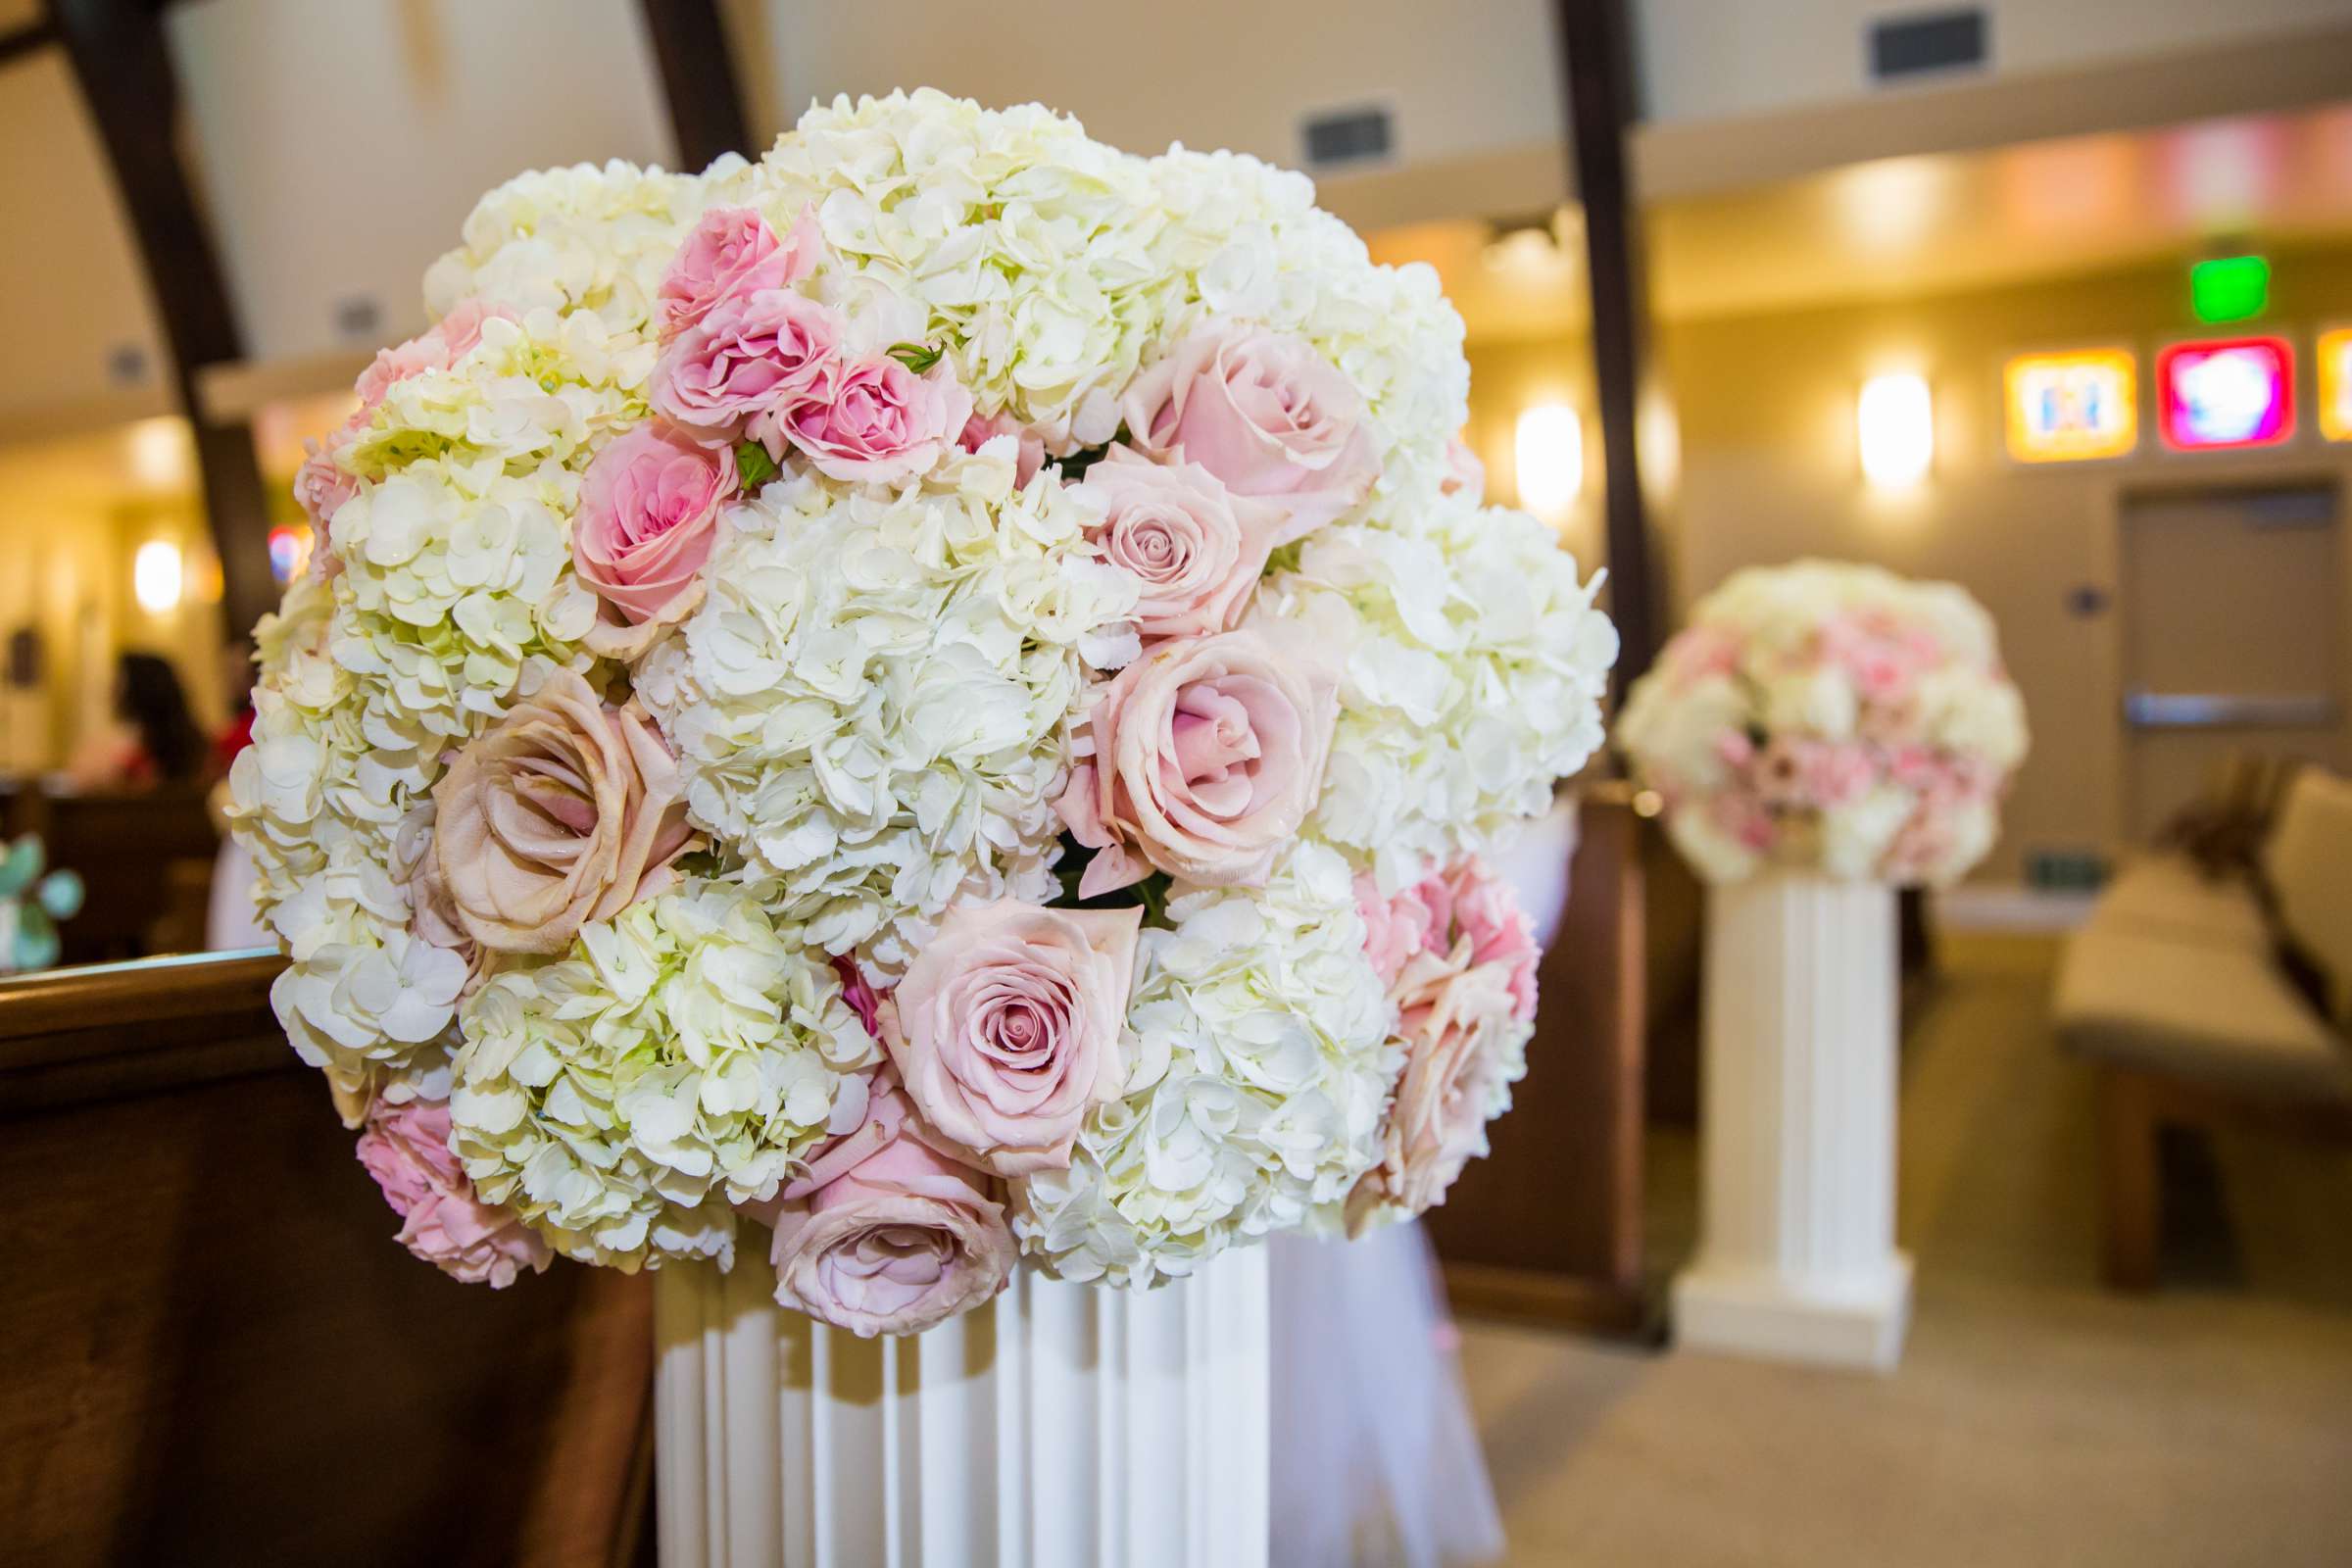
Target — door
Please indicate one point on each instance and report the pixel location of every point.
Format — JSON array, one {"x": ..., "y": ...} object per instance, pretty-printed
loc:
[{"x": 2233, "y": 604}]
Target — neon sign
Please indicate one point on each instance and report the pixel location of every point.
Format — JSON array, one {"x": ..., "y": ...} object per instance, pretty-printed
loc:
[
  {"x": 2225, "y": 392},
  {"x": 2068, "y": 407}
]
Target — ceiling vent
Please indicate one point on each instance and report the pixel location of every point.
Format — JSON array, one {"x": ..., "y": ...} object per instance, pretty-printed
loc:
[
  {"x": 1347, "y": 138},
  {"x": 1928, "y": 43}
]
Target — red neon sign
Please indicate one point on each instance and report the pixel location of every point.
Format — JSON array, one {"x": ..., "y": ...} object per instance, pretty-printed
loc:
[{"x": 2222, "y": 393}]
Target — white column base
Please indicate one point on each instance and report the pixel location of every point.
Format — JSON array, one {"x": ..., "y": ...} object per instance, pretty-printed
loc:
[
  {"x": 1796, "y": 1259},
  {"x": 1062, "y": 1426},
  {"x": 1773, "y": 1319}
]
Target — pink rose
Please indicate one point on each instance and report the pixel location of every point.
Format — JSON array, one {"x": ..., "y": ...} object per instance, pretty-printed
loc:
[
  {"x": 1202, "y": 757},
  {"x": 885, "y": 1234},
  {"x": 1264, "y": 413},
  {"x": 1464, "y": 902},
  {"x": 1007, "y": 1025},
  {"x": 320, "y": 487},
  {"x": 731, "y": 252},
  {"x": 648, "y": 517},
  {"x": 1835, "y": 772},
  {"x": 874, "y": 421},
  {"x": 859, "y": 993},
  {"x": 1465, "y": 1002},
  {"x": 748, "y": 355},
  {"x": 440, "y": 346},
  {"x": 564, "y": 811},
  {"x": 406, "y": 1149},
  {"x": 1194, "y": 549}
]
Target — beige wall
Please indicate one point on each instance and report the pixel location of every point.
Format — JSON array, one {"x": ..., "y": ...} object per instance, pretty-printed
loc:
[
  {"x": 72, "y": 516},
  {"x": 1768, "y": 471}
]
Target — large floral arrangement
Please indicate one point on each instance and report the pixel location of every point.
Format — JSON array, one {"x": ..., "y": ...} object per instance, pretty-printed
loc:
[
  {"x": 938, "y": 693},
  {"x": 1830, "y": 718}
]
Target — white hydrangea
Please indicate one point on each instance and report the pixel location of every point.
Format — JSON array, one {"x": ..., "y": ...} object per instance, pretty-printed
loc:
[
  {"x": 577, "y": 239},
  {"x": 1255, "y": 247},
  {"x": 1028, "y": 245},
  {"x": 1258, "y": 1041},
  {"x": 871, "y": 703},
  {"x": 678, "y": 1061},
  {"x": 1475, "y": 664}
]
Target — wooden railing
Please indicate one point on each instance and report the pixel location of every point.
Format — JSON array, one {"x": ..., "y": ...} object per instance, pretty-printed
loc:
[{"x": 217, "y": 1353}]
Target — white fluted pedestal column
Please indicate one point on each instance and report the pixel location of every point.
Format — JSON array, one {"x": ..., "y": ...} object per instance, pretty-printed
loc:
[
  {"x": 1062, "y": 1426},
  {"x": 1797, "y": 1257}
]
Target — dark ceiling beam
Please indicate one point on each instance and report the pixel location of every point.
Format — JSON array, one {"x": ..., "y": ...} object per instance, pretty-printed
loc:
[
  {"x": 698, "y": 79},
  {"x": 17, "y": 42},
  {"x": 1595, "y": 40},
  {"x": 123, "y": 63}
]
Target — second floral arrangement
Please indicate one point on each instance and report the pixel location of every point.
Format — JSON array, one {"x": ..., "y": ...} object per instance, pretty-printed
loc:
[{"x": 926, "y": 704}]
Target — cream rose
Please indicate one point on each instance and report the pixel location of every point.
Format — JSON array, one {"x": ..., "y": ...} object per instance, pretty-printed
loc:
[
  {"x": 1263, "y": 411},
  {"x": 1201, "y": 758},
  {"x": 566, "y": 812},
  {"x": 1006, "y": 1028},
  {"x": 886, "y": 1235},
  {"x": 1194, "y": 549}
]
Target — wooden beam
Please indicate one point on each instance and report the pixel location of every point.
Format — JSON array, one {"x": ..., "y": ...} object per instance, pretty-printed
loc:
[
  {"x": 19, "y": 42},
  {"x": 123, "y": 63},
  {"x": 1595, "y": 39},
  {"x": 698, "y": 79}
]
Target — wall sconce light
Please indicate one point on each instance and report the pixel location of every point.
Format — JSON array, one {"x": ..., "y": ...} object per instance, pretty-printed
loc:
[
  {"x": 1547, "y": 455},
  {"x": 1896, "y": 423},
  {"x": 156, "y": 576}
]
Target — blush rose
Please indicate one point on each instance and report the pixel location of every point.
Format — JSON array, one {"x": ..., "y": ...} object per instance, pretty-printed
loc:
[
  {"x": 1263, "y": 411},
  {"x": 566, "y": 810},
  {"x": 887, "y": 1235},
  {"x": 1006, "y": 1028},
  {"x": 1201, "y": 758},
  {"x": 1195, "y": 550}
]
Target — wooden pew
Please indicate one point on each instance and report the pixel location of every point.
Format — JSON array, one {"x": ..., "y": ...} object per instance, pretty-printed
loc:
[{"x": 217, "y": 1355}]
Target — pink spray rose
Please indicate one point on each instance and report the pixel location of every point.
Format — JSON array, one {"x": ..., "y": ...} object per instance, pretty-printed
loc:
[
  {"x": 406, "y": 1149},
  {"x": 874, "y": 421},
  {"x": 566, "y": 812},
  {"x": 1465, "y": 997},
  {"x": 1263, "y": 411},
  {"x": 887, "y": 1235},
  {"x": 732, "y": 252},
  {"x": 437, "y": 348},
  {"x": 1029, "y": 447},
  {"x": 320, "y": 487},
  {"x": 748, "y": 354},
  {"x": 1194, "y": 549},
  {"x": 1007, "y": 1025},
  {"x": 648, "y": 517},
  {"x": 1201, "y": 758}
]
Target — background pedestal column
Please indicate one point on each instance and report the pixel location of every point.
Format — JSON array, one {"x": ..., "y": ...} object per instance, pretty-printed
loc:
[
  {"x": 1796, "y": 1255},
  {"x": 1060, "y": 1426}
]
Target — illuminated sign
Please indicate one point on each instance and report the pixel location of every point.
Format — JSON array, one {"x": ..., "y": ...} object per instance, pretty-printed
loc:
[
  {"x": 2336, "y": 384},
  {"x": 2230, "y": 288},
  {"x": 2225, "y": 392},
  {"x": 289, "y": 552},
  {"x": 2071, "y": 406}
]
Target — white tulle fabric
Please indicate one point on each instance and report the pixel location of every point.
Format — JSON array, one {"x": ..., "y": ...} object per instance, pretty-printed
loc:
[{"x": 1376, "y": 1462}]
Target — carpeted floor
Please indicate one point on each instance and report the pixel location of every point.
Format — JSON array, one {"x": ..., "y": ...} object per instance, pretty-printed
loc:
[{"x": 2036, "y": 1418}]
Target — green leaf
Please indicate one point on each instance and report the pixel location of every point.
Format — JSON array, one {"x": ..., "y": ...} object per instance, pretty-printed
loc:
[
  {"x": 916, "y": 357},
  {"x": 753, "y": 465}
]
